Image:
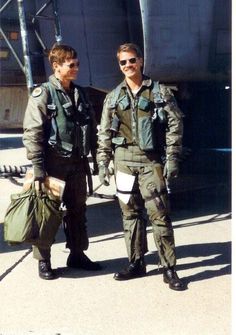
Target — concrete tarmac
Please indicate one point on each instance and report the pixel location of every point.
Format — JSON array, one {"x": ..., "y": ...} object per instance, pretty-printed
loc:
[{"x": 93, "y": 303}]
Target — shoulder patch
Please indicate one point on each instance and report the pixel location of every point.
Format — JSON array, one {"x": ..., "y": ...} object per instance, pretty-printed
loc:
[{"x": 37, "y": 92}]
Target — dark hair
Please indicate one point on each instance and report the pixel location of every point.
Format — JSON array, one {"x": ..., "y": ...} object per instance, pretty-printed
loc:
[
  {"x": 60, "y": 52},
  {"x": 129, "y": 47}
]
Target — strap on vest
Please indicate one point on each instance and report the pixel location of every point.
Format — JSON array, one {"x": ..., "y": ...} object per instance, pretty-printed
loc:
[
  {"x": 82, "y": 96},
  {"x": 155, "y": 90},
  {"x": 51, "y": 99},
  {"x": 54, "y": 103},
  {"x": 54, "y": 98},
  {"x": 156, "y": 93},
  {"x": 159, "y": 102}
]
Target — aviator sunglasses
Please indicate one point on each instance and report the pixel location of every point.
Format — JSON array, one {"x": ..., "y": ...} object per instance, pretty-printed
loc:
[
  {"x": 131, "y": 61},
  {"x": 72, "y": 65}
]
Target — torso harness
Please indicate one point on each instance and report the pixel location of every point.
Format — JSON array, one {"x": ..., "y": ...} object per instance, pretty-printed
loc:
[
  {"x": 141, "y": 120},
  {"x": 70, "y": 124}
]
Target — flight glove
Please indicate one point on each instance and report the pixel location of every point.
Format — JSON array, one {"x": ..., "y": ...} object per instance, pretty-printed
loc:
[
  {"x": 39, "y": 170},
  {"x": 103, "y": 174},
  {"x": 171, "y": 169}
]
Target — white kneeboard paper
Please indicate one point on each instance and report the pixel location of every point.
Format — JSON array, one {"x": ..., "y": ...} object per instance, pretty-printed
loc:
[{"x": 124, "y": 182}]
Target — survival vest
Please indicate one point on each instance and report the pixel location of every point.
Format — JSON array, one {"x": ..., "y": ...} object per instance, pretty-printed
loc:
[
  {"x": 70, "y": 126},
  {"x": 141, "y": 121}
]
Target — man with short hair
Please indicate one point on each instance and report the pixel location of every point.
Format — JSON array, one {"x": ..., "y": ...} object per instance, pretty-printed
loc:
[
  {"x": 140, "y": 122},
  {"x": 59, "y": 132}
]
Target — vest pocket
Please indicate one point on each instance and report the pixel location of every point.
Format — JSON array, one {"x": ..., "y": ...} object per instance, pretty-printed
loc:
[
  {"x": 123, "y": 103},
  {"x": 145, "y": 133},
  {"x": 51, "y": 110},
  {"x": 68, "y": 109},
  {"x": 143, "y": 103},
  {"x": 118, "y": 140}
]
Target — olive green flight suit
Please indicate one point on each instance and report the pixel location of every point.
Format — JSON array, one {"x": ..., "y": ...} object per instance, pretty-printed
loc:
[
  {"x": 135, "y": 131},
  {"x": 60, "y": 134}
]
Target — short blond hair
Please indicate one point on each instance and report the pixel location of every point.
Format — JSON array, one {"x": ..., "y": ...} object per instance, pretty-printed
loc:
[{"x": 129, "y": 47}]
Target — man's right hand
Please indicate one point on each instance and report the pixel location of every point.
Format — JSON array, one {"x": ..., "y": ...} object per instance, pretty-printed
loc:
[
  {"x": 39, "y": 174},
  {"x": 104, "y": 175},
  {"x": 39, "y": 177},
  {"x": 171, "y": 169},
  {"x": 39, "y": 171}
]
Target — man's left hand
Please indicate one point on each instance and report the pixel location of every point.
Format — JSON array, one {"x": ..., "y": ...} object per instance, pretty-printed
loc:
[{"x": 171, "y": 169}]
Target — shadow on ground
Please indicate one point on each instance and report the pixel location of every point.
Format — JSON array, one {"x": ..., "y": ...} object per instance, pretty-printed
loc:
[{"x": 216, "y": 254}]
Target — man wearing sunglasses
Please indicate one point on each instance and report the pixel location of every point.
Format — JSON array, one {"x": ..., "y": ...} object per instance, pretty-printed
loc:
[
  {"x": 59, "y": 132},
  {"x": 140, "y": 123}
]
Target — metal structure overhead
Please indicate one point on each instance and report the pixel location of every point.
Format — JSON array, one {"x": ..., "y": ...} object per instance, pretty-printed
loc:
[
  {"x": 25, "y": 64},
  {"x": 25, "y": 46},
  {"x": 4, "y": 7},
  {"x": 54, "y": 17}
]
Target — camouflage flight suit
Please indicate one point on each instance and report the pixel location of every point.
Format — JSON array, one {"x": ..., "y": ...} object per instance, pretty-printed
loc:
[
  {"x": 59, "y": 132},
  {"x": 139, "y": 143}
]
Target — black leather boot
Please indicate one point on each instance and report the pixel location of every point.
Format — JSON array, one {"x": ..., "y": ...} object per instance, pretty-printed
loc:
[
  {"x": 170, "y": 277},
  {"x": 81, "y": 261},
  {"x": 45, "y": 270},
  {"x": 134, "y": 270}
]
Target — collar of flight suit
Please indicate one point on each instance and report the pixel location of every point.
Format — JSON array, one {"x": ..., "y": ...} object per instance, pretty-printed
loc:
[
  {"x": 146, "y": 82},
  {"x": 57, "y": 84}
]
